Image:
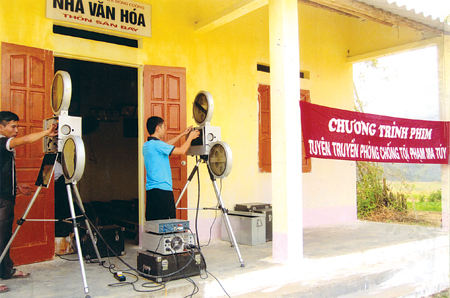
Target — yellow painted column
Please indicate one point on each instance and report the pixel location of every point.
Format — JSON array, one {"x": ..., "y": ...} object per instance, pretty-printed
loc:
[
  {"x": 286, "y": 131},
  {"x": 444, "y": 115}
]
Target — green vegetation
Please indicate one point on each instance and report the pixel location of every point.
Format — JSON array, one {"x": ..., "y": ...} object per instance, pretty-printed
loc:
[
  {"x": 387, "y": 188},
  {"x": 431, "y": 202},
  {"x": 376, "y": 195},
  {"x": 425, "y": 206},
  {"x": 373, "y": 193}
]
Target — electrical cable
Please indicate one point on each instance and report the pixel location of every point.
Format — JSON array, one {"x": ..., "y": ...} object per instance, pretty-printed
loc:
[
  {"x": 198, "y": 203},
  {"x": 218, "y": 282},
  {"x": 155, "y": 285},
  {"x": 125, "y": 263},
  {"x": 215, "y": 218}
]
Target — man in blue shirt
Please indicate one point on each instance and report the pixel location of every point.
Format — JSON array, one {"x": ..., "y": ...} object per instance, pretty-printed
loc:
[
  {"x": 8, "y": 184},
  {"x": 160, "y": 200}
]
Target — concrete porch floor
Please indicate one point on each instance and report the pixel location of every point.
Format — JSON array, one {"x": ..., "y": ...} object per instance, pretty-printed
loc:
[{"x": 360, "y": 259}]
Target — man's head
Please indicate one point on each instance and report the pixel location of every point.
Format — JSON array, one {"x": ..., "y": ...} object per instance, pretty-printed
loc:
[
  {"x": 8, "y": 124},
  {"x": 155, "y": 124}
]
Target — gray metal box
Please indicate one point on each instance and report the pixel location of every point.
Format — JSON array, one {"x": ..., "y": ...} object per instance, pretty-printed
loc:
[
  {"x": 268, "y": 213},
  {"x": 251, "y": 206},
  {"x": 249, "y": 228}
]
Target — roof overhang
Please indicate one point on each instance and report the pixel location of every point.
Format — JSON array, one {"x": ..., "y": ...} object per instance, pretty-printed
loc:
[
  {"x": 379, "y": 11},
  {"x": 383, "y": 12}
]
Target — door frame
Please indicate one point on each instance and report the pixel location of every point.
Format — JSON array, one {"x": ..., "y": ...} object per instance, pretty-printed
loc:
[
  {"x": 141, "y": 126},
  {"x": 141, "y": 123}
]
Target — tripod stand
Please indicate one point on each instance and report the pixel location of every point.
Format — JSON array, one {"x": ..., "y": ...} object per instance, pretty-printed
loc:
[
  {"x": 221, "y": 206},
  {"x": 73, "y": 217}
]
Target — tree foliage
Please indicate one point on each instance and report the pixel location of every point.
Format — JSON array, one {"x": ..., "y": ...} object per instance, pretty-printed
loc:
[
  {"x": 372, "y": 191},
  {"x": 369, "y": 177}
]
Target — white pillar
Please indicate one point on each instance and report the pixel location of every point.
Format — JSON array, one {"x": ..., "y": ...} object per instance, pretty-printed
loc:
[{"x": 286, "y": 131}]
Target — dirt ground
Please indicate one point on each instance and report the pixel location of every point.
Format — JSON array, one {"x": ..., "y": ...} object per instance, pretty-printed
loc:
[
  {"x": 443, "y": 294},
  {"x": 429, "y": 218},
  {"x": 423, "y": 218}
]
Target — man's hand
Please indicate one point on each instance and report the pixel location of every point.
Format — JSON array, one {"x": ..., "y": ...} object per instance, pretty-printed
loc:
[
  {"x": 24, "y": 189},
  {"x": 194, "y": 134},
  {"x": 187, "y": 130},
  {"x": 53, "y": 130}
]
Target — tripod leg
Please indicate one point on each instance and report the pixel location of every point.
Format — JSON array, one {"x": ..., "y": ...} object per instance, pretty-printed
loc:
[
  {"x": 188, "y": 181},
  {"x": 77, "y": 238},
  {"x": 80, "y": 204},
  {"x": 227, "y": 221},
  {"x": 19, "y": 223}
]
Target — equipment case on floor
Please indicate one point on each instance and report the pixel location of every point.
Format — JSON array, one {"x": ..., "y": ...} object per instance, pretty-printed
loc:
[
  {"x": 268, "y": 213},
  {"x": 249, "y": 228},
  {"x": 250, "y": 207},
  {"x": 113, "y": 235},
  {"x": 162, "y": 268},
  {"x": 258, "y": 207}
]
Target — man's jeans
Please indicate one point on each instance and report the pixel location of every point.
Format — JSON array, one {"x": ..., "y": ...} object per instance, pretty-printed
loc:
[{"x": 6, "y": 224}]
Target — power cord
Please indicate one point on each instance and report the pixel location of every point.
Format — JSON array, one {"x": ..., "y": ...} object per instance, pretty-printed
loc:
[{"x": 156, "y": 286}]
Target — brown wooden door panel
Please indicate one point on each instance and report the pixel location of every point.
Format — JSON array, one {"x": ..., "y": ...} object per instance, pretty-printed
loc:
[
  {"x": 264, "y": 138},
  {"x": 26, "y": 82},
  {"x": 165, "y": 96},
  {"x": 174, "y": 88},
  {"x": 306, "y": 162},
  {"x": 264, "y": 133},
  {"x": 173, "y": 115}
]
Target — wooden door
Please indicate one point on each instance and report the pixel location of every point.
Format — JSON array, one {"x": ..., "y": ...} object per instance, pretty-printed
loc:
[
  {"x": 165, "y": 96},
  {"x": 306, "y": 162},
  {"x": 264, "y": 133},
  {"x": 264, "y": 136},
  {"x": 27, "y": 75}
]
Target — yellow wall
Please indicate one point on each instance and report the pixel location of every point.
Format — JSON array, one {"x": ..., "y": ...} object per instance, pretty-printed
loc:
[{"x": 223, "y": 62}]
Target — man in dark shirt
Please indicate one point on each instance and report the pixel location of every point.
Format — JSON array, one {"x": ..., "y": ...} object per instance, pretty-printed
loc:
[{"x": 8, "y": 185}]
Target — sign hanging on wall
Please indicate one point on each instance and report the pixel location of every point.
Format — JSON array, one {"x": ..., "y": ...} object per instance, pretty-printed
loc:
[
  {"x": 118, "y": 15},
  {"x": 346, "y": 135}
]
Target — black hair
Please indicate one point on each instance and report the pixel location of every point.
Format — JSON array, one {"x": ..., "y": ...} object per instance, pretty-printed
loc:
[
  {"x": 7, "y": 116},
  {"x": 152, "y": 123}
]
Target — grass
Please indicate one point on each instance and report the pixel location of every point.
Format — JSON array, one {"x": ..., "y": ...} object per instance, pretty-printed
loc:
[
  {"x": 419, "y": 192},
  {"x": 425, "y": 206}
]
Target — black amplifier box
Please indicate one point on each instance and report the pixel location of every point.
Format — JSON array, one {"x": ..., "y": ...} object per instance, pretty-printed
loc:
[
  {"x": 162, "y": 268},
  {"x": 113, "y": 235}
]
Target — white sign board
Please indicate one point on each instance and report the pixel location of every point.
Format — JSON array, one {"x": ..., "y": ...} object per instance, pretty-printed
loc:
[{"x": 118, "y": 15}]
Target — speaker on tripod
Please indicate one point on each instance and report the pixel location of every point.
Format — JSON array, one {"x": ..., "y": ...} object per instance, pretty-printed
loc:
[
  {"x": 215, "y": 153},
  {"x": 69, "y": 144}
]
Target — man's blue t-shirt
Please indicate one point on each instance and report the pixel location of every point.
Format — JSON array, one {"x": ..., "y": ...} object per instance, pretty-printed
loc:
[{"x": 156, "y": 159}]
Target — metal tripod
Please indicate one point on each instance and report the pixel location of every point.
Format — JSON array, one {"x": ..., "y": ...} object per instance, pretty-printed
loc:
[
  {"x": 220, "y": 206},
  {"x": 75, "y": 228}
]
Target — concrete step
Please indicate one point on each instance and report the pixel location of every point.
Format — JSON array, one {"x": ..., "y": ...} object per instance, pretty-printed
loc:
[
  {"x": 325, "y": 288},
  {"x": 416, "y": 269}
]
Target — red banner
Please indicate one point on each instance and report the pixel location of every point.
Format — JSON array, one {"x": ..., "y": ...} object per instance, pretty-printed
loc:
[{"x": 340, "y": 134}]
